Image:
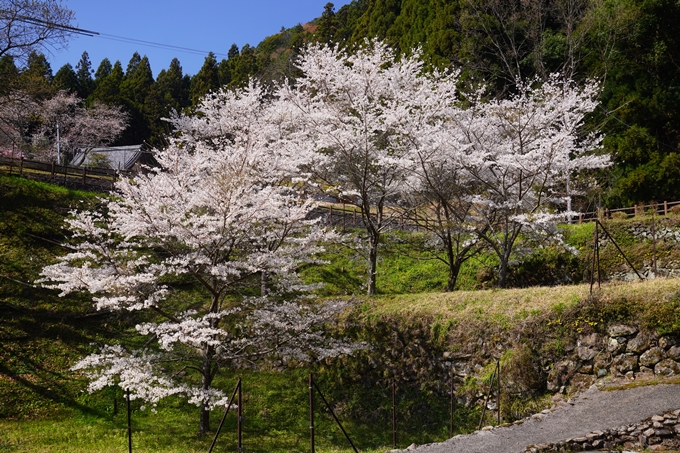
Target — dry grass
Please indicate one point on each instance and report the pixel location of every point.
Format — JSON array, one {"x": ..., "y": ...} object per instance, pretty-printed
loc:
[{"x": 518, "y": 303}]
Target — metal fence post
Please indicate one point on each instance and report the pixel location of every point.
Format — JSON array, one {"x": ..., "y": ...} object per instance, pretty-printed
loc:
[
  {"x": 240, "y": 419},
  {"x": 224, "y": 417},
  {"x": 311, "y": 412},
  {"x": 129, "y": 420},
  {"x": 394, "y": 414},
  {"x": 498, "y": 381},
  {"x": 451, "y": 404}
]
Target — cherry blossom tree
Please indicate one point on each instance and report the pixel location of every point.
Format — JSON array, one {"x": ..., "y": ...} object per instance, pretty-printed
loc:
[
  {"x": 360, "y": 112},
  {"x": 439, "y": 190},
  {"x": 222, "y": 211},
  {"x": 30, "y": 25},
  {"x": 519, "y": 155},
  {"x": 32, "y": 124},
  {"x": 78, "y": 126}
]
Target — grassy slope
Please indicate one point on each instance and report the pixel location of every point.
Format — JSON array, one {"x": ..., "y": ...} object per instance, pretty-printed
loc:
[{"x": 43, "y": 407}]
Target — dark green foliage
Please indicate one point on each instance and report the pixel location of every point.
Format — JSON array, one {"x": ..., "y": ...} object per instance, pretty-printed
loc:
[
  {"x": 107, "y": 88},
  {"x": 134, "y": 89},
  {"x": 206, "y": 80},
  {"x": 643, "y": 95},
  {"x": 547, "y": 266},
  {"x": 84, "y": 75},
  {"x": 35, "y": 79},
  {"x": 9, "y": 73},
  {"x": 66, "y": 79},
  {"x": 327, "y": 24}
]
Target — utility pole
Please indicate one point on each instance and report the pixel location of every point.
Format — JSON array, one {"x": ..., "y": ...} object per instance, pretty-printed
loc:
[{"x": 58, "y": 146}]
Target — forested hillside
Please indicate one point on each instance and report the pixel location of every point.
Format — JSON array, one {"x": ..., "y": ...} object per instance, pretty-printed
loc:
[{"x": 631, "y": 47}]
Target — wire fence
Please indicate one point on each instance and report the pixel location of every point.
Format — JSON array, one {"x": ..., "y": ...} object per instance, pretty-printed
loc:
[{"x": 494, "y": 391}]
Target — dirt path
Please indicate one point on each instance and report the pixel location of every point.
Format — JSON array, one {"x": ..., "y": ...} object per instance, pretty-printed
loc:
[{"x": 592, "y": 410}]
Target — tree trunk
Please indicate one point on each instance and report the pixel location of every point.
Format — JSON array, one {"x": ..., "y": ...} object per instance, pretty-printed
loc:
[
  {"x": 372, "y": 262},
  {"x": 454, "y": 270},
  {"x": 264, "y": 283},
  {"x": 503, "y": 269},
  {"x": 206, "y": 381}
]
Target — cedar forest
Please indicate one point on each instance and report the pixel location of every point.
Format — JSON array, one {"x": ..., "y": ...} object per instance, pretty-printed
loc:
[{"x": 631, "y": 47}]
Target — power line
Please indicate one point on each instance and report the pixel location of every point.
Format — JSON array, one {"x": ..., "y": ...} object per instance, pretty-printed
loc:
[
  {"x": 83, "y": 32},
  {"x": 45, "y": 23},
  {"x": 158, "y": 45}
]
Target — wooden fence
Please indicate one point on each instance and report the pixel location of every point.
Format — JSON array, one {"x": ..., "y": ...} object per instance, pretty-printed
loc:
[
  {"x": 661, "y": 208},
  {"x": 103, "y": 179},
  {"x": 94, "y": 179}
]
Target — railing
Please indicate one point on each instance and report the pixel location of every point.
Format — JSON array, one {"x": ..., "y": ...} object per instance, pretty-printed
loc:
[
  {"x": 661, "y": 208},
  {"x": 98, "y": 179}
]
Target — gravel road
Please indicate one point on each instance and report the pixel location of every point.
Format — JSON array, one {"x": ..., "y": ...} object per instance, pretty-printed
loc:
[{"x": 593, "y": 410}]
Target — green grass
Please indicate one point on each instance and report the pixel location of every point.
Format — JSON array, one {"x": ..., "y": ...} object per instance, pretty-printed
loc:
[{"x": 411, "y": 324}]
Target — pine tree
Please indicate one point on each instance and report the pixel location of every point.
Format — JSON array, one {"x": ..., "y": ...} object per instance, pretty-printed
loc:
[{"x": 9, "y": 73}]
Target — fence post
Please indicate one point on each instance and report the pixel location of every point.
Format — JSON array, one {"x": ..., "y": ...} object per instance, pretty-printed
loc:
[
  {"x": 498, "y": 381},
  {"x": 654, "y": 212},
  {"x": 665, "y": 208},
  {"x": 129, "y": 422},
  {"x": 311, "y": 412},
  {"x": 328, "y": 406},
  {"x": 344, "y": 213},
  {"x": 394, "y": 414},
  {"x": 21, "y": 166},
  {"x": 451, "y": 404},
  {"x": 84, "y": 175},
  {"x": 240, "y": 419},
  {"x": 224, "y": 417}
]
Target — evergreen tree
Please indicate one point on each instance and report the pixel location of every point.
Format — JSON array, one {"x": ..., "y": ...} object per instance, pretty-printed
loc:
[
  {"x": 66, "y": 79},
  {"x": 134, "y": 89},
  {"x": 233, "y": 51},
  {"x": 327, "y": 24},
  {"x": 243, "y": 67},
  {"x": 84, "y": 74},
  {"x": 9, "y": 74},
  {"x": 37, "y": 77},
  {"x": 641, "y": 104},
  {"x": 107, "y": 88},
  {"x": 207, "y": 79},
  {"x": 172, "y": 85},
  {"x": 103, "y": 71},
  {"x": 377, "y": 20},
  {"x": 224, "y": 72}
]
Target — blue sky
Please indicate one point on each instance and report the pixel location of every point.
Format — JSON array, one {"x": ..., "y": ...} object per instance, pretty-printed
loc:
[{"x": 193, "y": 24}]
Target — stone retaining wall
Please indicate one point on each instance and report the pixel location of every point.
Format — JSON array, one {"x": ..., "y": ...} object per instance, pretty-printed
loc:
[
  {"x": 658, "y": 433},
  {"x": 623, "y": 352}
]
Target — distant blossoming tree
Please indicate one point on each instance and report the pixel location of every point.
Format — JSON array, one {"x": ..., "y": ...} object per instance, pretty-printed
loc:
[
  {"x": 222, "y": 211},
  {"x": 361, "y": 111},
  {"x": 519, "y": 154},
  {"x": 38, "y": 127},
  {"x": 79, "y": 126}
]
